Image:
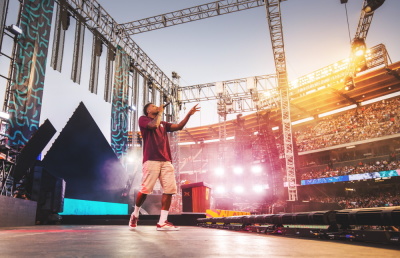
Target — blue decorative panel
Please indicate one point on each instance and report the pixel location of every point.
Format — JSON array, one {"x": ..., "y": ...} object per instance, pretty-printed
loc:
[
  {"x": 30, "y": 68},
  {"x": 119, "y": 111}
]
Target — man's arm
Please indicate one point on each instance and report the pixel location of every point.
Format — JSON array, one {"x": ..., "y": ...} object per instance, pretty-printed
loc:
[
  {"x": 177, "y": 127},
  {"x": 155, "y": 123}
]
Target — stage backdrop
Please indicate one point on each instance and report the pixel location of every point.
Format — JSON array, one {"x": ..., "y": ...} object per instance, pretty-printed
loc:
[{"x": 82, "y": 156}]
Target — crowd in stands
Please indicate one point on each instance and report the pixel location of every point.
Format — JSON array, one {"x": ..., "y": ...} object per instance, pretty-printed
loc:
[
  {"x": 360, "y": 168},
  {"x": 366, "y": 122},
  {"x": 386, "y": 199}
]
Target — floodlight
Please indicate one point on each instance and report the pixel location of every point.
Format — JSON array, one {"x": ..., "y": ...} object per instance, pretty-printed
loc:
[
  {"x": 238, "y": 170},
  {"x": 14, "y": 29},
  {"x": 4, "y": 115},
  {"x": 258, "y": 188},
  {"x": 238, "y": 189},
  {"x": 256, "y": 169},
  {"x": 349, "y": 83},
  {"x": 219, "y": 171},
  {"x": 372, "y": 5},
  {"x": 220, "y": 189}
]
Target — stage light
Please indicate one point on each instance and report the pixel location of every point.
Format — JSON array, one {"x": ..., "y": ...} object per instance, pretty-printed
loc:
[
  {"x": 219, "y": 171},
  {"x": 349, "y": 83},
  {"x": 220, "y": 189},
  {"x": 14, "y": 29},
  {"x": 238, "y": 189},
  {"x": 372, "y": 5},
  {"x": 238, "y": 170},
  {"x": 258, "y": 188},
  {"x": 360, "y": 52},
  {"x": 4, "y": 115},
  {"x": 256, "y": 169}
]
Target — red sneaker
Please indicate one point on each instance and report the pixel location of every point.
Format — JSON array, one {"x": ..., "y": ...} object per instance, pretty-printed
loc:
[
  {"x": 167, "y": 226},
  {"x": 133, "y": 222}
]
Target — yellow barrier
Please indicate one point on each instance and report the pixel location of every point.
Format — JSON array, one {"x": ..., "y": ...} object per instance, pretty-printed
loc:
[{"x": 224, "y": 213}]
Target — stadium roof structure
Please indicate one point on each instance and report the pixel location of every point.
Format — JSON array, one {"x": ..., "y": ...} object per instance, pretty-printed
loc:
[{"x": 369, "y": 85}]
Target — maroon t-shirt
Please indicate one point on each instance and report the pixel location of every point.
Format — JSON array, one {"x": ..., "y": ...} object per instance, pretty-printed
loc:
[{"x": 155, "y": 141}]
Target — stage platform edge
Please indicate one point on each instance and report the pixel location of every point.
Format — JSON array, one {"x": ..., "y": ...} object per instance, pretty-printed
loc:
[{"x": 184, "y": 219}]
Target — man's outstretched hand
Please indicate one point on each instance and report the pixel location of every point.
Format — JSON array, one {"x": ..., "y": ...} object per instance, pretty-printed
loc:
[{"x": 194, "y": 109}]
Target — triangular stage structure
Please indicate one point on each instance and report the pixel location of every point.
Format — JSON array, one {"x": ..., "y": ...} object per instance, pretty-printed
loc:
[{"x": 82, "y": 156}]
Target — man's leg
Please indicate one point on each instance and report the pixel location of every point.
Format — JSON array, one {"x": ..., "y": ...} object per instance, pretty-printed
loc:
[
  {"x": 165, "y": 205},
  {"x": 168, "y": 183},
  {"x": 150, "y": 172},
  {"x": 141, "y": 197}
]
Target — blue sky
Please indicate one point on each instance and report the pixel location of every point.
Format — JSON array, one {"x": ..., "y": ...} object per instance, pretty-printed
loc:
[
  {"x": 238, "y": 45},
  {"x": 227, "y": 47}
]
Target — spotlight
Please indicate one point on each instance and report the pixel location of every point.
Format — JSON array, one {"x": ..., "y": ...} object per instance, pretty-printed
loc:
[
  {"x": 219, "y": 171},
  {"x": 4, "y": 115},
  {"x": 256, "y": 169},
  {"x": 238, "y": 170},
  {"x": 372, "y": 5},
  {"x": 238, "y": 189},
  {"x": 14, "y": 29},
  {"x": 220, "y": 189},
  {"x": 361, "y": 67},
  {"x": 358, "y": 47},
  {"x": 349, "y": 83},
  {"x": 258, "y": 188}
]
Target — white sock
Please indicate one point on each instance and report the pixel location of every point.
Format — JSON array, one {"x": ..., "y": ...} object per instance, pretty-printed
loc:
[
  {"x": 163, "y": 217},
  {"x": 136, "y": 211}
]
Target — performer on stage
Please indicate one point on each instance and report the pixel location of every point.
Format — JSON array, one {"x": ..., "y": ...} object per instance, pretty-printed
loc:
[{"x": 157, "y": 161}]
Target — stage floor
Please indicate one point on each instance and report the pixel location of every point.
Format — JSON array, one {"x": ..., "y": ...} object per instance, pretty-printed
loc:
[{"x": 190, "y": 241}]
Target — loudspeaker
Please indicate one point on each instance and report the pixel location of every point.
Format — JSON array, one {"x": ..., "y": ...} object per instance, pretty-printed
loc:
[{"x": 48, "y": 191}]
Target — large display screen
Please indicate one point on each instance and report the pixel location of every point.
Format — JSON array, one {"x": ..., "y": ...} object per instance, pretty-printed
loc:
[{"x": 364, "y": 176}]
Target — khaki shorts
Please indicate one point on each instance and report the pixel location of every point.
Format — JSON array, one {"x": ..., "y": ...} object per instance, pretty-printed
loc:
[{"x": 162, "y": 170}]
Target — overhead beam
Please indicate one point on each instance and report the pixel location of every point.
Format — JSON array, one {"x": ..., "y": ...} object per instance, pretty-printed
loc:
[
  {"x": 190, "y": 14},
  {"x": 97, "y": 19}
]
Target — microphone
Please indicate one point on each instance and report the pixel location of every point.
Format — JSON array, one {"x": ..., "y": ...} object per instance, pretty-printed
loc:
[{"x": 165, "y": 105}]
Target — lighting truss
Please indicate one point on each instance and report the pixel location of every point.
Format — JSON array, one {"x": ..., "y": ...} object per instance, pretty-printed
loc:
[
  {"x": 3, "y": 16},
  {"x": 364, "y": 23},
  {"x": 189, "y": 14},
  {"x": 239, "y": 93},
  {"x": 334, "y": 74},
  {"x": 97, "y": 19},
  {"x": 275, "y": 28}
]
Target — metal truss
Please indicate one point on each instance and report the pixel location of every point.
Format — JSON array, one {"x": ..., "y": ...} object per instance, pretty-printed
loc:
[
  {"x": 174, "y": 139},
  {"x": 97, "y": 19},
  {"x": 333, "y": 74},
  {"x": 189, "y": 14},
  {"x": 364, "y": 23},
  {"x": 275, "y": 27},
  {"x": 240, "y": 95}
]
